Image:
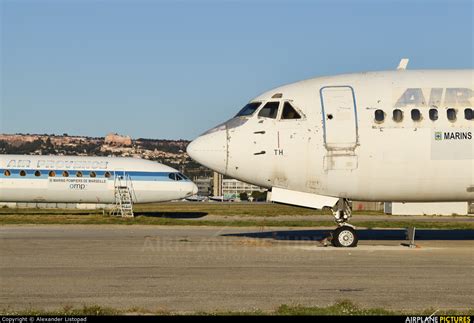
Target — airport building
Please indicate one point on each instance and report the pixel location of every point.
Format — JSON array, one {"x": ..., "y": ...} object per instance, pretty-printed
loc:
[
  {"x": 227, "y": 187},
  {"x": 232, "y": 188},
  {"x": 204, "y": 185}
]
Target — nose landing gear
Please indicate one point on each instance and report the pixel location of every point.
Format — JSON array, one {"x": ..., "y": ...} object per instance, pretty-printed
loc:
[{"x": 345, "y": 235}]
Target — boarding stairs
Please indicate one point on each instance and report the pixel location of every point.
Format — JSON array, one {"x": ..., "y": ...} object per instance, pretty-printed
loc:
[{"x": 123, "y": 190}]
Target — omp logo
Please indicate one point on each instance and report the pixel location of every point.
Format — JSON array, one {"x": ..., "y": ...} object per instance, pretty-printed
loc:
[
  {"x": 77, "y": 186},
  {"x": 438, "y": 135}
]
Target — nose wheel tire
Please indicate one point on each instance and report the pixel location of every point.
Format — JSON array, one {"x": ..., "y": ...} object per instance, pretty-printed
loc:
[{"x": 345, "y": 237}]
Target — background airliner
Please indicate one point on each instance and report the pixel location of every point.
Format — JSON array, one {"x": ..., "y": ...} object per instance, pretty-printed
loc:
[
  {"x": 379, "y": 136},
  {"x": 89, "y": 180}
]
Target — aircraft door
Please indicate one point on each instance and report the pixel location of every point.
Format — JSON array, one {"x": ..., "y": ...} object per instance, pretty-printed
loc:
[{"x": 339, "y": 115}]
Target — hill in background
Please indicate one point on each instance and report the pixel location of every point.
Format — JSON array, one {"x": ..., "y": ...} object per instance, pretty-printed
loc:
[{"x": 169, "y": 152}]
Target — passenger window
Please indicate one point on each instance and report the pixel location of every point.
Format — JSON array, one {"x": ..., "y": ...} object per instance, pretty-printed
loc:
[
  {"x": 468, "y": 114},
  {"x": 22, "y": 173},
  {"x": 107, "y": 175},
  {"x": 289, "y": 112},
  {"x": 79, "y": 174},
  {"x": 6, "y": 173},
  {"x": 92, "y": 174},
  {"x": 415, "y": 115},
  {"x": 269, "y": 110},
  {"x": 433, "y": 114},
  {"x": 37, "y": 173},
  {"x": 51, "y": 173},
  {"x": 397, "y": 115},
  {"x": 249, "y": 109},
  {"x": 379, "y": 115},
  {"x": 451, "y": 113},
  {"x": 65, "y": 174}
]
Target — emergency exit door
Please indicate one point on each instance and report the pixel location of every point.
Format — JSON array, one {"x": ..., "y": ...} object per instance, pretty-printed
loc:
[{"x": 339, "y": 117}]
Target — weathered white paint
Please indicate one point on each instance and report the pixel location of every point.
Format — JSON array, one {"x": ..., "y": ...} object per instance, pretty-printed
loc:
[
  {"x": 59, "y": 189},
  {"x": 390, "y": 161}
]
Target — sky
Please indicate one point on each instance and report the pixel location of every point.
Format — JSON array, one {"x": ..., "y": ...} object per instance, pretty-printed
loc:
[{"x": 173, "y": 69}]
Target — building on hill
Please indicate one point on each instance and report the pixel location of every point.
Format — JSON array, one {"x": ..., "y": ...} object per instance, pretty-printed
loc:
[{"x": 114, "y": 139}]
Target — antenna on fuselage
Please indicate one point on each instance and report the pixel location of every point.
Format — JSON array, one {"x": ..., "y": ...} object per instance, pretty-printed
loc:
[{"x": 403, "y": 64}]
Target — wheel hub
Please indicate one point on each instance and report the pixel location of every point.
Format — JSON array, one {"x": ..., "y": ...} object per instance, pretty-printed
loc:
[{"x": 346, "y": 238}]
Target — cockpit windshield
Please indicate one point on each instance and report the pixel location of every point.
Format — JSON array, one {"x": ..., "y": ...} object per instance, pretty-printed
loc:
[
  {"x": 178, "y": 177},
  {"x": 249, "y": 109}
]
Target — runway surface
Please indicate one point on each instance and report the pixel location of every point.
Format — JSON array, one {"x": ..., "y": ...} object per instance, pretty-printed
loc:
[{"x": 188, "y": 269}]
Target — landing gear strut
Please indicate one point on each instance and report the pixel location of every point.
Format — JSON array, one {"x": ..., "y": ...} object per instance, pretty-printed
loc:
[{"x": 345, "y": 235}]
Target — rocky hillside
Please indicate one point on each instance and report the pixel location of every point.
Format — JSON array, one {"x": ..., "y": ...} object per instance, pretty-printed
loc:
[{"x": 169, "y": 152}]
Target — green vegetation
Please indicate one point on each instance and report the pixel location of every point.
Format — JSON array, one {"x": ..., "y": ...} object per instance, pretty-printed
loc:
[
  {"x": 187, "y": 209},
  {"x": 220, "y": 214},
  {"x": 230, "y": 209},
  {"x": 344, "y": 308},
  {"x": 244, "y": 196}
]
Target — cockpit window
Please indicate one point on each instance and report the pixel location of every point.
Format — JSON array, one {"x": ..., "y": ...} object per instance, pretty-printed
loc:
[
  {"x": 177, "y": 177},
  {"x": 269, "y": 110},
  {"x": 289, "y": 112},
  {"x": 249, "y": 109},
  {"x": 183, "y": 176}
]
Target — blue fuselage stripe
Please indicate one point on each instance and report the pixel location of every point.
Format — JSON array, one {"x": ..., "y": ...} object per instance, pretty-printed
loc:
[{"x": 134, "y": 175}]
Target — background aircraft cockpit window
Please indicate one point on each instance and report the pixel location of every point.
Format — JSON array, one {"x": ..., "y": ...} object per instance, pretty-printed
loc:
[
  {"x": 249, "y": 109},
  {"x": 379, "y": 115},
  {"x": 468, "y": 114},
  {"x": 52, "y": 173},
  {"x": 269, "y": 110},
  {"x": 397, "y": 115},
  {"x": 433, "y": 114},
  {"x": 415, "y": 115},
  {"x": 172, "y": 176},
  {"x": 289, "y": 112},
  {"x": 183, "y": 176},
  {"x": 451, "y": 113},
  {"x": 6, "y": 172}
]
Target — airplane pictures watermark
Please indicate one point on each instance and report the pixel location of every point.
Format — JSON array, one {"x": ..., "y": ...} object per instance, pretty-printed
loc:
[{"x": 439, "y": 319}]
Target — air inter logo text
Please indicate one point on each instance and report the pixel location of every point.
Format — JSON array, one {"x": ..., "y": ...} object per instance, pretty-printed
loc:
[{"x": 426, "y": 97}]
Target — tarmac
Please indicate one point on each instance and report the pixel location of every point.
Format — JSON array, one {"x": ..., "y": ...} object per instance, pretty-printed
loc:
[{"x": 189, "y": 269}]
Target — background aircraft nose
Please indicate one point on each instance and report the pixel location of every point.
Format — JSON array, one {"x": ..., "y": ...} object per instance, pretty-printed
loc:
[{"x": 210, "y": 150}]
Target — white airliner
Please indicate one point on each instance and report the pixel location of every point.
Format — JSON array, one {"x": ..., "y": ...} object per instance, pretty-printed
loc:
[
  {"x": 89, "y": 179},
  {"x": 399, "y": 135}
]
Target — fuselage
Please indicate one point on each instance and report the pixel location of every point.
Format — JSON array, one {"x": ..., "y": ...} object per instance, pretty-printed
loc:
[
  {"x": 88, "y": 179},
  {"x": 376, "y": 136}
]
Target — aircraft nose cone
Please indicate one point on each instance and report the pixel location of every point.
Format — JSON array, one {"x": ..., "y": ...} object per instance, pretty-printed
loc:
[
  {"x": 210, "y": 150},
  {"x": 195, "y": 189}
]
